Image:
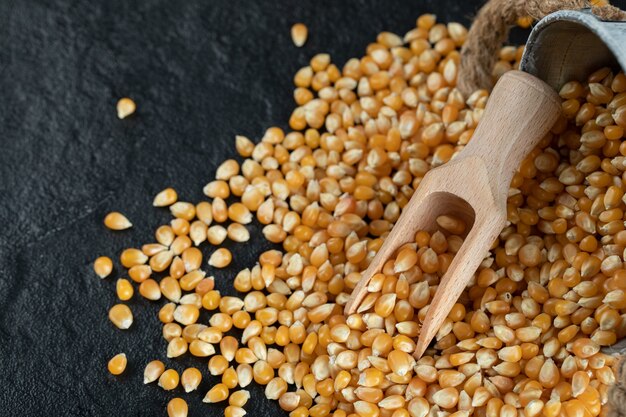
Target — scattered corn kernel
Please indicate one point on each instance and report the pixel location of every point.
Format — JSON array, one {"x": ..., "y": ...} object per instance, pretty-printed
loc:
[
  {"x": 190, "y": 379},
  {"x": 221, "y": 258},
  {"x": 239, "y": 398},
  {"x": 124, "y": 289},
  {"x": 150, "y": 289},
  {"x": 177, "y": 407},
  {"x": 238, "y": 233},
  {"x": 117, "y": 364},
  {"x": 299, "y": 33},
  {"x": 177, "y": 347},
  {"x": 165, "y": 198},
  {"x": 117, "y": 221},
  {"x": 218, "y": 393},
  {"x": 169, "y": 380},
  {"x": 103, "y": 266},
  {"x": 244, "y": 146},
  {"x": 125, "y": 107},
  {"x": 234, "y": 411},
  {"x": 121, "y": 316},
  {"x": 153, "y": 371}
]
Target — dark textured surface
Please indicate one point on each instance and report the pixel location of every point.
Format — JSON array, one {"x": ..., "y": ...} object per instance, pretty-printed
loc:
[{"x": 200, "y": 72}]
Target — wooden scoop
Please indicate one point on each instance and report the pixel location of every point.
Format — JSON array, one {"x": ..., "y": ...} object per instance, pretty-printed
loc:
[{"x": 474, "y": 187}]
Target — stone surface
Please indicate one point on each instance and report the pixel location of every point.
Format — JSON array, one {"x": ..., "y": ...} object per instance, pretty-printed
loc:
[{"x": 200, "y": 72}]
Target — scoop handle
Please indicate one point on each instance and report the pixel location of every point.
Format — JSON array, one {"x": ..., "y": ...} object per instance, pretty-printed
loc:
[{"x": 520, "y": 111}]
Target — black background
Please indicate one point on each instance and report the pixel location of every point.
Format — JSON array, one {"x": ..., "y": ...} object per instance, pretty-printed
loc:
[{"x": 201, "y": 72}]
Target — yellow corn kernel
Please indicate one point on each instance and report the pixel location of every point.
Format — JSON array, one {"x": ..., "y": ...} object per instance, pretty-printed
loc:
[
  {"x": 238, "y": 233},
  {"x": 186, "y": 314},
  {"x": 153, "y": 371},
  {"x": 239, "y": 213},
  {"x": 239, "y": 398},
  {"x": 217, "y": 365},
  {"x": 234, "y": 411},
  {"x": 121, "y": 316},
  {"x": 244, "y": 374},
  {"x": 176, "y": 347},
  {"x": 103, "y": 266},
  {"x": 218, "y": 393},
  {"x": 275, "y": 388},
  {"x": 117, "y": 221},
  {"x": 299, "y": 33},
  {"x": 177, "y": 407},
  {"x": 124, "y": 289},
  {"x": 244, "y": 146},
  {"x": 227, "y": 169},
  {"x": 169, "y": 380},
  {"x": 125, "y": 107},
  {"x": 524, "y": 22},
  {"x": 366, "y": 409},
  {"x": 230, "y": 379},
  {"x": 446, "y": 397},
  {"x": 165, "y": 198},
  {"x": 132, "y": 257},
  {"x": 228, "y": 347},
  {"x": 190, "y": 379},
  {"x": 221, "y": 258},
  {"x": 150, "y": 290},
  {"x": 117, "y": 364}
]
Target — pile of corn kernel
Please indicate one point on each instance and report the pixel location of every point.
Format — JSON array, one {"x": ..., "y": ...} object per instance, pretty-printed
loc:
[{"x": 523, "y": 340}]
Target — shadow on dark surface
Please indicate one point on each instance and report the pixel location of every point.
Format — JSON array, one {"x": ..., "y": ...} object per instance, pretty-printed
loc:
[{"x": 200, "y": 72}]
